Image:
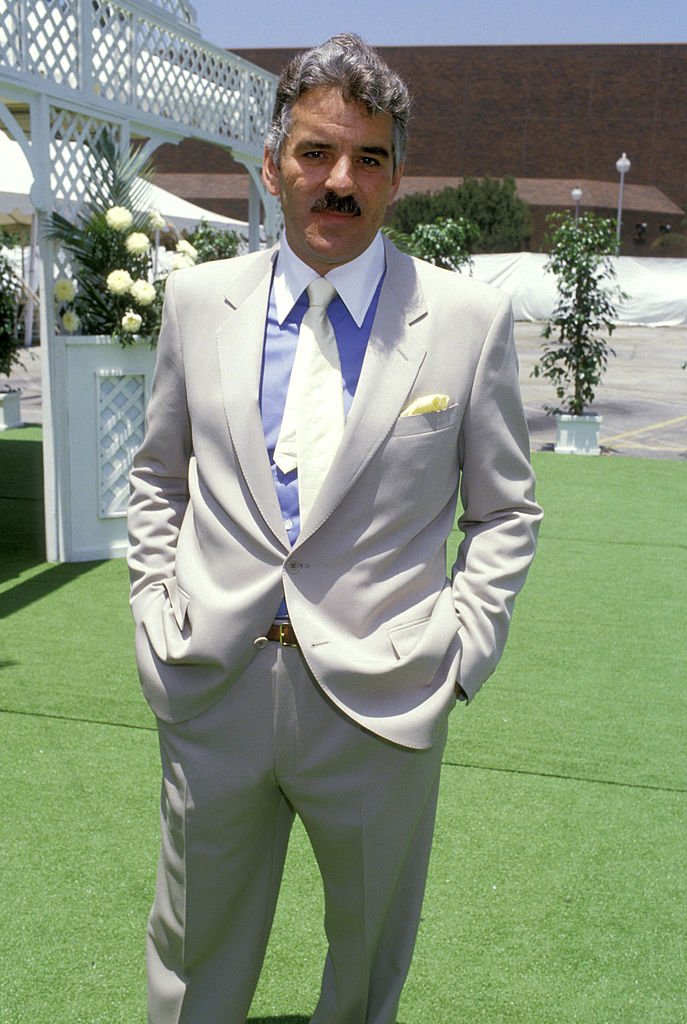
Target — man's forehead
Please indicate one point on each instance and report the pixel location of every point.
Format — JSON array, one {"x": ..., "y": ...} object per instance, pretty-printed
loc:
[{"x": 323, "y": 101}]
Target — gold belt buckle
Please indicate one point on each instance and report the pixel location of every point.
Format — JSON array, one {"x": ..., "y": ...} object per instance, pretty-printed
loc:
[{"x": 283, "y": 634}]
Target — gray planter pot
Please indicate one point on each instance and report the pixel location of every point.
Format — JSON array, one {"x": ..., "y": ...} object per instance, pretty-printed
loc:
[
  {"x": 10, "y": 411},
  {"x": 577, "y": 435}
]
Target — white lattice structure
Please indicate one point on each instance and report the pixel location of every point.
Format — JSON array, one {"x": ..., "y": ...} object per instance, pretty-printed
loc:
[
  {"x": 68, "y": 68},
  {"x": 121, "y": 402}
]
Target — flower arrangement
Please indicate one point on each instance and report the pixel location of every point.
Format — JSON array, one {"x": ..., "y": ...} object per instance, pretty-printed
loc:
[{"x": 115, "y": 289}]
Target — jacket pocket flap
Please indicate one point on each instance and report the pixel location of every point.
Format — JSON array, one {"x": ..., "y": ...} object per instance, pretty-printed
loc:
[{"x": 405, "y": 638}]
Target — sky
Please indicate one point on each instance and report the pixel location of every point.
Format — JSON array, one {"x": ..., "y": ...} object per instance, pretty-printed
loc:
[{"x": 296, "y": 23}]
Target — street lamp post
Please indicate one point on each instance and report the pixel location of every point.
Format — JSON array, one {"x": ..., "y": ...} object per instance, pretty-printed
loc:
[
  {"x": 576, "y": 195},
  {"x": 622, "y": 166}
]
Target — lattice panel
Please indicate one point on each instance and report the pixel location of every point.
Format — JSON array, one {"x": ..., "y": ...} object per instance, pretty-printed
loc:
[
  {"x": 112, "y": 50},
  {"x": 52, "y": 34},
  {"x": 10, "y": 35},
  {"x": 184, "y": 82},
  {"x": 71, "y": 159},
  {"x": 146, "y": 64},
  {"x": 121, "y": 419},
  {"x": 178, "y": 9},
  {"x": 112, "y": 44}
]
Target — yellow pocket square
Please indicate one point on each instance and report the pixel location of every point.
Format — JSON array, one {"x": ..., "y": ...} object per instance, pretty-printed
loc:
[{"x": 426, "y": 403}]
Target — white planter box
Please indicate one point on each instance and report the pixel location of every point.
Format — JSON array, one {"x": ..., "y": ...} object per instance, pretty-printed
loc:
[
  {"x": 577, "y": 435},
  {"x": 102, "y": 401},
  {"x": 10, "y": 412}
]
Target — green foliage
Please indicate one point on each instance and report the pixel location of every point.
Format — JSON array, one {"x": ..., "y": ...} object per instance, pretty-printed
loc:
[
  {"x": 446, "y": 242},
  {"x": 213, "y": 243},
  {"x": 10, "y": 293},
  {"x": 491, "y": 204},
  {"x": 576, "y": 350}
]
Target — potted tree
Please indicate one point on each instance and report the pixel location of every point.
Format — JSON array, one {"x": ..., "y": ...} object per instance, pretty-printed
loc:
[
  {"x": 9, "y": 343},
  {"x": 576, "y": 349}
]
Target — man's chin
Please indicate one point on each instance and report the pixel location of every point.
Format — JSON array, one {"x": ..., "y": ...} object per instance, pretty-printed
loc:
[{"x": 325, "y": 254}]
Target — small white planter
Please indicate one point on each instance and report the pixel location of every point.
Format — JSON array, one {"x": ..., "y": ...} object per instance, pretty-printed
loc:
[
  {"x": 10, "y": 412},
  {"x": 577, "y": 435}
]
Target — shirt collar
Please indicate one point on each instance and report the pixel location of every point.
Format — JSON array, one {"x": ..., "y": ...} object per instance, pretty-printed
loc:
[{"x": 356, "y": 282}]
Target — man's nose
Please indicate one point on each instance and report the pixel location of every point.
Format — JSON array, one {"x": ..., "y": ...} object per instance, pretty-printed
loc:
[{"x": 340, "y": 178}]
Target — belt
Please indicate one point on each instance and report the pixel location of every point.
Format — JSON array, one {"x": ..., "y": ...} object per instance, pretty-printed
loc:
[{"x": 283, "y": 633}]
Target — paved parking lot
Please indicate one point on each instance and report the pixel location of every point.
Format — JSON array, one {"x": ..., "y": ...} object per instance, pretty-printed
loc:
[{"x": 642, "y": 398}]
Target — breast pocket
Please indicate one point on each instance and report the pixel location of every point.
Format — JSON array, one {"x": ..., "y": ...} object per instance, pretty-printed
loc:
[
  {"x": 426, "y": 422},
  {"x": 417, "y": 467}
]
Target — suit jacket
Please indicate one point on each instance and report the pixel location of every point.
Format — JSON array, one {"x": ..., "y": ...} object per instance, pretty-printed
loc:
[{"x": 384, "y": 630}]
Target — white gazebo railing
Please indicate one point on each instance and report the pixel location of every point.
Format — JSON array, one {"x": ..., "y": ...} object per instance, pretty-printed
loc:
[{"x": 69, "y": 69}]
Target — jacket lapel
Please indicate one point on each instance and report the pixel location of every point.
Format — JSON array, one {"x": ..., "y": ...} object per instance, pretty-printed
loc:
[
  {"x": 240, "y": 346},
  {"x": 395, "y": 353}
]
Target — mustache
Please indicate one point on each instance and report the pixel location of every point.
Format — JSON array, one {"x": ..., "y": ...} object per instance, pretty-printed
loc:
[{"x": 330, "y": 202}]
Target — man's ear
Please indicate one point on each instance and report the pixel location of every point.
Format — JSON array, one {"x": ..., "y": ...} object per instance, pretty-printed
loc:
[{"x": 270, "y": 172}]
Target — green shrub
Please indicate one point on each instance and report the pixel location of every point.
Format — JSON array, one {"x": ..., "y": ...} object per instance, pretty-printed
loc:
[
  {"x": 491, "y": 204},
  {"x": 446, "y": 242},
  {"x": 10, "y": 292},
  {"x": 213, "y": 243}
]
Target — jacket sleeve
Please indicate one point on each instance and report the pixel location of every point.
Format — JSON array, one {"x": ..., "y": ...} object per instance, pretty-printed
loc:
[
  {"x": 159, "y": 477},
  {"x": 500, "y": 517}
]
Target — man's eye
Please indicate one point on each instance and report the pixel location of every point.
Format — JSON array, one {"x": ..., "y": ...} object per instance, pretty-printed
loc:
[
  {"x": 313, "y": 154},
  {"x": 370, "y": 161}
]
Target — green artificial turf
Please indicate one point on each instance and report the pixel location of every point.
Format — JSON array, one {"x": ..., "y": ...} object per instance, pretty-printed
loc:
[
  {"x": 592, "y": 681},
  {"x": 557, "y": 885}
]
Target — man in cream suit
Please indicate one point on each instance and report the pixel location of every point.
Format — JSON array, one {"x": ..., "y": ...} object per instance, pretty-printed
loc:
[{"x": 302, "y": 646}]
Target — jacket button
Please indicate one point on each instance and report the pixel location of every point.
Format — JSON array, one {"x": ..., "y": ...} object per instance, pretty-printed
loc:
[
  {"x": 260, "y": 642},
  {"x": 293, "y": 566}
]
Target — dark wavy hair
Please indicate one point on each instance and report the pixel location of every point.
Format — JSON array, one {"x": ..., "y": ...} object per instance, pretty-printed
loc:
[{"x": 347, "y": 63}]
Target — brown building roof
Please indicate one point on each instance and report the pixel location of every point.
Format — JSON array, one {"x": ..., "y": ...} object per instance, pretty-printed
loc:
[
  {"x": 555, "y": 192},
  {"x": 534, "y": 191}
]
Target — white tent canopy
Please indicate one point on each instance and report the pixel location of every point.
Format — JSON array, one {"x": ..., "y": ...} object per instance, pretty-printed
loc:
[
  {"x": 16, "y": 180},
  {"x": 656, "y": 288},
  {"x": 15, "y": 184}
]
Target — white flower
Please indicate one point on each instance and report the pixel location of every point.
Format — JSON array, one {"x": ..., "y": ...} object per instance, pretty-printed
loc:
[
  {"x": 137, "y": 243},
  {"x": 142, "y": 292},
  {"x": 156, "y": 221},
  {"x": 187, "y": 249},
  {"x": 131, "y": 322},
  {"x": 180, "y": 261},
  {"x": 70, "y": 321},
  {"x": 119, "y": 281},
  {"x": 64, "y": 290},
  {"x": 119, "y": 218}
]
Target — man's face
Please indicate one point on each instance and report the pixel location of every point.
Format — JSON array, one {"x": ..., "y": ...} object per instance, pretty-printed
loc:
[{"x": 335, "y": 178}]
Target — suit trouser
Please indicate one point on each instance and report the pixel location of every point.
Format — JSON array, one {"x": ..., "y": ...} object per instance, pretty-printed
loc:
[{"x": 233, "y": 778}]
